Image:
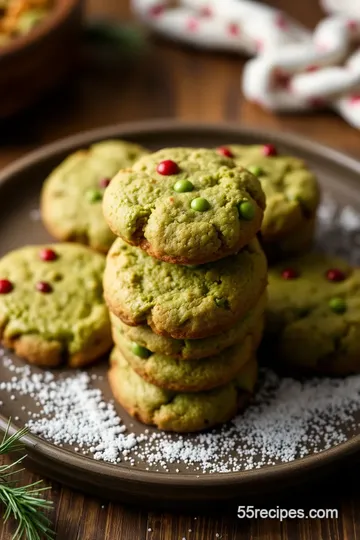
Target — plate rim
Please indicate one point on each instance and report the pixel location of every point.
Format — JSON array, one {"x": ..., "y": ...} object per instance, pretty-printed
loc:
[{"x": 271, "y": 473}]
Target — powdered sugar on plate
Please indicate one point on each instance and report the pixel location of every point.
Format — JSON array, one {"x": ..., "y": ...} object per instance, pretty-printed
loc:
[{"x": 288, "y": 418}]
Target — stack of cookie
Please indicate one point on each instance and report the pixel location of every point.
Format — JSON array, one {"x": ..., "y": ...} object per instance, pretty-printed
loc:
[{"x": 185, "y": 284}]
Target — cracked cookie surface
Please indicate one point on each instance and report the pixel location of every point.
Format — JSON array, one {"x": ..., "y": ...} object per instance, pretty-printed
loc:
[
  {"x": 181, "y": 301},
  {"x": 292, "y": 197},
  {"x": 313, "y": 314},
  {"x": 51, "y": 304},
  {"x": 179, "y": 412},
  {"x": 185, "y": 205},
  {"x": 71, "y": 199}
]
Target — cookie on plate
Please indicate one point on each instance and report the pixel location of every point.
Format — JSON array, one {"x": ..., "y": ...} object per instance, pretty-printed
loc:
[
  {"x": 185, "y": 205},
  {"x": 179, "y": 412},
  {"x": 71, "y": 199},
  {"x": 190, "y": 349},
  {"x": 180, "y": 301},
  {"x": 292, "y": 197},
  {"x": 52, "y": 309},
  {"x": 313, "y": 314},
  {"x": 193, "y": 375}
]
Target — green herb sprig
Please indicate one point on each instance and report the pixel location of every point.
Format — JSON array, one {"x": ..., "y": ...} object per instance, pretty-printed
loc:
[{"x": 22, "y": 503}]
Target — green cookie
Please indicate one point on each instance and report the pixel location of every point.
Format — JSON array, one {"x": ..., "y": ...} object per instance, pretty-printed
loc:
[
  {"x": 292, "y": 197},
  {"x": 180, "y": 301},
  {"x": 179, "y": 412},
  {"x": 185, "y": 205},
  {"x": 51, "y": 304},
  {"x": 71, "y": 199},
  {"x": 314, "y": 318},
  {"x": 193, "y": 375},
  {"x": 190, "y": 349}
]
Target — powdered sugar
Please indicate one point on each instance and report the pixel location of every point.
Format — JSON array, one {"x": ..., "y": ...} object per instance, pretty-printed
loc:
[{"x": 288, "y": 419}]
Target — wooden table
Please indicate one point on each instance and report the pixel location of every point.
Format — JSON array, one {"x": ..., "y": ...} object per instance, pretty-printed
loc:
[{"x": 172, "y": 81}]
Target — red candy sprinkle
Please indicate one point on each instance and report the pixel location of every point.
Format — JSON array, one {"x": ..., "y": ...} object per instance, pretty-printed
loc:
[
  {"x": 334, "y": 274},
  {"x": 47, "y": 255},
  {"x": 167, "y": 167},
  {"x": 269, "y": 150},
  {"x": 289, "y": 273},
  {"x": 5, "y": 286},
  {"x": 43, "y": 287},
  {"x": 104, "y": 182},
  {"x": 223, "y": 151}
]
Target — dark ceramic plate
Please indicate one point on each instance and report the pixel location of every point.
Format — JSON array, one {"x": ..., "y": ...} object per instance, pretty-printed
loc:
[{"x": 20, "y": 186}]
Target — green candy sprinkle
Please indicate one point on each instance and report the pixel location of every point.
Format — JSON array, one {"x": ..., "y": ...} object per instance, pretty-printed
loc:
[
  {"x": 200, "y": 205},
  {"x": 222, "y": 303},
  {"x": 93, "y": 195},
  {"x": 138, "y": 350},
  {"x": 182, "y": 186},
  {"x": 246, "y": 210},
  {"x": 256, "y": 170},
  {"x": 337, "y": 305}
]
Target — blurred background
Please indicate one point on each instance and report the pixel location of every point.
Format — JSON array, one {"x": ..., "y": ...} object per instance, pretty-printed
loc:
[{"x": 121, "y": 72}]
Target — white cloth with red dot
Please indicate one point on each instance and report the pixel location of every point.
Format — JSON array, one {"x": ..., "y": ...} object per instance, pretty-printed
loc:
[{"x": 294, "y": 70}]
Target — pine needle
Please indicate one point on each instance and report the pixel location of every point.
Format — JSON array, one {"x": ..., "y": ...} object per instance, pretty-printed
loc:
[{"x": 22, "y": 503}]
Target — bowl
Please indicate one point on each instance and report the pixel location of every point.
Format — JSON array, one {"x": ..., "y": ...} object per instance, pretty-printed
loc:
[{"x": 34, "y": 63}]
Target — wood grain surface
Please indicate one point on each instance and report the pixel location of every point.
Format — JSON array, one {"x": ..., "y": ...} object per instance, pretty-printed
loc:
[{"x": 174, "y": 81}]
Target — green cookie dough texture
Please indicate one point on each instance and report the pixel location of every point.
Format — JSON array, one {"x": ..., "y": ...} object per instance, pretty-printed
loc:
[
  {"x": 143, "y": 208},
  {"x": 179, "y": 412},
  {"x": 179, "y": 301},
  {"x": 190, "y": 349},
  {"x": 69, "y": 324},
  {"x": 195, "y": 375},
  {"x": 308, "y": 335},
  {"x": 71, "y": 200},
  {"x": 292, "y": 197}
]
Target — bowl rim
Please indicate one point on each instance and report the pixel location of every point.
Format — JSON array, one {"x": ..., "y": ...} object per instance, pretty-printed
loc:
[{"x": 58, "y": 14}]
